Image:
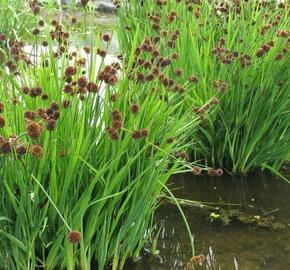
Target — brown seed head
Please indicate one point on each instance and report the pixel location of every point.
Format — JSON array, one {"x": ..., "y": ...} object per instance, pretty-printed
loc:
[
  {"x": 36, "y": 150},
  {"x": 2, "y": 122},
  {"x": 74, "y": 237},
  {"x": 33, "y": 130}
]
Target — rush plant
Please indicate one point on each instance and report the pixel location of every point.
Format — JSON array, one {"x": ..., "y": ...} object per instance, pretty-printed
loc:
[
  {"x": 236, "y": 51},
  {"x": 85, "y": 151}
]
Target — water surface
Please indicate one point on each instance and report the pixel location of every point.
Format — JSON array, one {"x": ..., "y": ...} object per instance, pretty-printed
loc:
[{"x": 238, "y": 245}]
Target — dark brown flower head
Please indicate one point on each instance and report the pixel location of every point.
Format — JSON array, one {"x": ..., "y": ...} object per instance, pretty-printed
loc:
[
  {"x": 108, "y": 69},
  {"x": 5, "y": 147},
  {"x": 170, "y": 140},
  {"x": 35, "y": 92},
  {"x": 70, "y": 71},
  {"x": 165, "y": 62},
  {"x": 51, "y": 123},
  {"x": 279, "y": 56},
  {"x": 150, "y": 77},
  {"x": 33, "y": 130},
  {"x": 36, "y": 9},
  {"x": 65, "y": 103},
  {"x": 3, "y": 37},
  {"x": 113, "y": 133},
  {"x": 36, "y": 150},
  {"x": 29, "y": 115},
  {"x": 135, "y": 108},
  {"x": 56, "y": 115},
  {"x": 113, "y": 97},
  {"x": 61, "y": 153},
  {"x": 140, "y": 77},
  {"x": 20, "y": 150},
  {"x": 116, "y": 115},
  {"x": 193, "y": 79},
  {"x": 54, "y": 106},
  {"x": 106, "y": 37},
  {"x": 82, "y": 82},
  {"x": 2, "y": 122},
  {"x": 87, "y": 49},
  {"x": 25, "y": 90},
  {"x": 1, "y": 107},
  {"x": 44, "y": 43},
  {"x": 73, "y": 20},
  {"x": 101, "y": 53},
  {"x": 155, "y": 53},
  {"x": 178, "y": 71},
  {"x": 144, "y": 132},
  {"x": 283, "y": 33},
  {"x": 74, "y": 237},
  {"x": 260, "y": 52},
  {"x": 44, "y": 96},
  {"x": 112, "y": 80},
  {"x": 41, "y": 23},
  {"x": 214, "y": 101},
  {"x": 92, "y": 87},
  {"x": 155, "y": 71},
  {"x": 35, "y": 31},
  {"x": 182, "y": 155},
  {"x": 68, "y": 89},
  {"x": 81, "y": 62},
  {"x": 136, "y": 134},
  {"x": 117, "y": 124}
]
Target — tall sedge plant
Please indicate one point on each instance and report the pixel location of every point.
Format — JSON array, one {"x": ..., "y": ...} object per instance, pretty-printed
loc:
[
  {"x": 85, "y": 151},
  {"x": 237, "y": 51}
]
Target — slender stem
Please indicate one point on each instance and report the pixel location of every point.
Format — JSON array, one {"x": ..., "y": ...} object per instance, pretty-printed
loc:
[{"x": 51, "y": 201}]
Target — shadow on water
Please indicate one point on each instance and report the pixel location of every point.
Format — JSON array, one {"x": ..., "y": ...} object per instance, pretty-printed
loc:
[{"x": 254, "y": 234}]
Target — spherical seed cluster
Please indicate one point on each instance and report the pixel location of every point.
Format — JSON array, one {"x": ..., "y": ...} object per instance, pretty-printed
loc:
[
  {"x": 196, "y": 170},
  {"x": 74, "y": 237},
  {"x": 264, "y": 49},
  {"x": 135, "y": 108},
  {"x": 215, "y": 172},
  {"x": 70, "y": 71},
  {"x": 106, "y": 38},
  {"x": 182, "y": 155},
  {"x": 2, "y": 122},
  {"x": 5, "y": 146},
  {"x": 101, "y": 53},
  {"x": 36, "y": 150},
  {"x": 1, "y": 107},
  {"x": 35, "y": 6},
  {"x": 138, "y": 134},
  {"x": 149, "y": 65},
  {"x": 108, "y": 75},
  {"x": 34, "y": 130},
  {"x": 201, "y": 111},
  {"x": 224, "y": 55},
  {"x": 220, "y": 85},
  {"x": 116, "y": 125}
]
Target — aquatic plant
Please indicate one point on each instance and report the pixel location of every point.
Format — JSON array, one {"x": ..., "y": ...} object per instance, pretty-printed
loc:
[
  {"x": 16, "y": 20},
  {"x": 85, "y": 151},
  {"x": 236, "y": 51}
]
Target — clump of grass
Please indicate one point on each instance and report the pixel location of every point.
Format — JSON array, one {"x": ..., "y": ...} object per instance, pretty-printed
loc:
[
  {"x": 237, "y": 51},
  {"x": 85, "y": 150}
]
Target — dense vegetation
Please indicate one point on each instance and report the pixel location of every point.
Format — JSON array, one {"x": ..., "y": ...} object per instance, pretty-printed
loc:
[
  {"x": 87, "y": 145},
  {"x": 237, "y": 51},
  {"x": 85, "y": 151}
]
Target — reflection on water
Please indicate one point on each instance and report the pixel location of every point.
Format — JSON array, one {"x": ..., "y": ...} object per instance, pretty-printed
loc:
[{"x": 238, "y": 245}]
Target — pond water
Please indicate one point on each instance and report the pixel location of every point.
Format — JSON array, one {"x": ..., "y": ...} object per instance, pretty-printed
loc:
[{"x": 253, "y": 233}]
